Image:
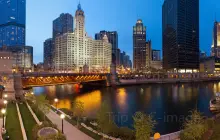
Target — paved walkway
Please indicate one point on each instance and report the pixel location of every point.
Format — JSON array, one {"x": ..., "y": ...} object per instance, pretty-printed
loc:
[{"x": 71, "y": 132}]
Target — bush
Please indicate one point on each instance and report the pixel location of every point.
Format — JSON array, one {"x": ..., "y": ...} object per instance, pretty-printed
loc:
[
  {"x": 126, "y": 133},
  {"x": 195, "y": 132}
]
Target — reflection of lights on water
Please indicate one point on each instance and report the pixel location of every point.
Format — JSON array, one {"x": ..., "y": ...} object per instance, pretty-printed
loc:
[
  {"x": 51, "y": 91},
  {"x": 215, "y": 88},
  {"x": 92, "y": 101},
  {"x": 63, "y": 103},
  {"x": 121, "y": 98}
]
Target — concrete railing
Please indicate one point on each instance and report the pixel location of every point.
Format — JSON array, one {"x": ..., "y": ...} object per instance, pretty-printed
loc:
[
  {"x": 171, "y": 136},
  {"x": 33, "y": 114},
  {"x": 61, "y": 112},
  {"x": 21, "y": 124}
]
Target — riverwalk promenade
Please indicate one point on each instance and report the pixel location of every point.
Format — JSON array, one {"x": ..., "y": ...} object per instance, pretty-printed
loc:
[{"x": 71, "y": 132}]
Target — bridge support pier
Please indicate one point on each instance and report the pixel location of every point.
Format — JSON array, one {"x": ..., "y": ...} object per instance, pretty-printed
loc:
[
  {"x": 113, "y": 76},
  {"x": 18, "y": 86},
  {"x": 7, "y": 80}
]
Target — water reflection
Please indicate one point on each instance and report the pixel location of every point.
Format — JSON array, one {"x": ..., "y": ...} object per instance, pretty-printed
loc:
[
  {"x": 122, "y": 98},
  {"x": 159, "y": 99},
  {"x": 92, "y": 102}
]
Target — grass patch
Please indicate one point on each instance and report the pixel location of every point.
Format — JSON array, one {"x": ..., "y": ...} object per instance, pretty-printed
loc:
[
  {"x": 40, "y": 115},
  {"x": 28, "y": 120},
  {"x": 12, "y": 123}
]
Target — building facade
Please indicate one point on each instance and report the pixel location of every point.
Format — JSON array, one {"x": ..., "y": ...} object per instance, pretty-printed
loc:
[
  {"x": 7, "y": 62},
  {"x": 75, "y": 50},
  {"x": 12, "y": 22},
  {"x": 181, "y": 35},
  {"x": 101, "y": 55},
  {"x": 139, "y": 46},
  {"x": 48, "y": 54},
  {"x": 118, "y": 51},
  {"x": 63, "y": 24},
  {"x": 113, "y": 39},
  {"x": 156, "y": 55},
  {"x": 125, "y": 60},
  {"x": 148, "y": 54},
  {"x": 210, "y": 65},
  {"x": 215, "y": 48},
  {"x": 23, "y": 56}
]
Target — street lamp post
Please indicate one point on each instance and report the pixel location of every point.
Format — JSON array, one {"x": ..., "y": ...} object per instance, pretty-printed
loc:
[
  {"x": 62, "y": 116},
  {"x": 5, "y": 96},
  {"x": 5, "y": 102},
  {"x": 3, "y": 113},
  {"x": 56, "y": 101}
]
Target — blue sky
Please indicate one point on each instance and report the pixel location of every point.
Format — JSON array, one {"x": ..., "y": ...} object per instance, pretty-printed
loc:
[{"x": 119, "y": 15}]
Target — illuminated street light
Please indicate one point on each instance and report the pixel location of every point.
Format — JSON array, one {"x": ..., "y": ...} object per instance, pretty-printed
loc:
[
  {"x": 5, "y": 102},
  {"x": 56, "y": 101},
  {"x": 3, "y": 111},
  {"x": 62, "y": 116},
  {"x": 5, "y": 96}
]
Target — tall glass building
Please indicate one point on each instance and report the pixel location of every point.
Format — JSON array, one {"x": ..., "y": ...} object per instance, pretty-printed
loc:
[
  {"x": 181, "y": 35},
  {"x": 12, "y": 22},
  {"x": 62, "y": 24}
]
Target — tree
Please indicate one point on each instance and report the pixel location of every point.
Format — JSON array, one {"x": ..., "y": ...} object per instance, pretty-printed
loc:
[
  {"x": 143, "y": 125},
  {"x": 194, "y": 128},
  {"x": 78, "y": 110},
  {"x": 42, "y": 104},
  {"x": 104, "y": 119},
  {"x": 29, "y": 96}
]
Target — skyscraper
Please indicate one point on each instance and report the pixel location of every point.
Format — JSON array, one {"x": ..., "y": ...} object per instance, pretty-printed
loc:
[
  {"x": 63, "y": 24},
  {"x": 101, "y": 54},
  {"x": 181, "y": 35},
  {"x": 12, "y": 22},
  {"x": 148, "y": 54},
  {"x": 156, "y": 55},
  {"x": 48, "y": 54},
  {"x": 113, "y": 39},
  {"x": 74, "y": 50},
  {"x": 216, "y": 40},
  {"x": 139, "y": 46}
]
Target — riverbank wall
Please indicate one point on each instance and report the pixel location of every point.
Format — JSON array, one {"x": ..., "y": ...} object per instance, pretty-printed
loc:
[{"x": 163, "y": 81}]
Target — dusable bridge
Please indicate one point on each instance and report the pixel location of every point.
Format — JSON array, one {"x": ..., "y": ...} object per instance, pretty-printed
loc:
[{"x": 46, "y": 79}]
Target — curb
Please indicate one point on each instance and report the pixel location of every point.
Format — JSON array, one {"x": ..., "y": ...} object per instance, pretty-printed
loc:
[
  {"x": 21, "y": 124},
  {"x": 33, "y": 114}
]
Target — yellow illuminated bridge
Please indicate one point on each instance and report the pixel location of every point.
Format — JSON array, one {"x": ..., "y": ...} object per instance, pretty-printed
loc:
[{"x": 46, "y": 79}]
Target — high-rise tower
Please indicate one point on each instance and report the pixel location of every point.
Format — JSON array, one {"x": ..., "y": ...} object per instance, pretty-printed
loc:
[
  {"x": 63, "y": 24},
  {"x": 12, "y": 22},
  {"x": 113, "y": 39},
  {"x": 181, "y": 35},
  {"x": 139, "y": 46},
  {"x": 79, "y": 22},
  {"x": 216, "y": 40}
]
